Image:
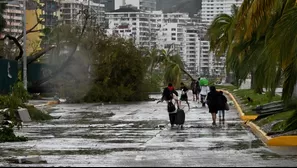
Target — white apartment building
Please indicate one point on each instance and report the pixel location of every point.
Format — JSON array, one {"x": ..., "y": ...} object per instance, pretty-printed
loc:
[
  {"x": 183, "y": 40},
  {"x": 14, "y": 18},
  {"x": 180, "y": 34},
  {"x": 191, "y": 52},
  {"x": 173, "y": 31},
  {"x": 210, "y": 64},
  {"x": 211, "y": 8},
  {"x": 129, "y": 22},
  {"x": 143, "y": 5},
  {"x": 70, "y": 11}
]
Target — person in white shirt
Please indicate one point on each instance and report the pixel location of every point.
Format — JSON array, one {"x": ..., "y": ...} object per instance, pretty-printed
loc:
[{"x": 203, "y": 93}]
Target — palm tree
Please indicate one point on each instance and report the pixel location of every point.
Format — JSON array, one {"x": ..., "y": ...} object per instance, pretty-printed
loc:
[
  {"x": 154, "y": 60},
  {"x": 173, "y": 67},
  {"x": 273, "y": 25},
  {"x": 272, "y": 21},
  {"x": 282, "y": 45},
  {"x": 221, "y": 32},
  {"x": 221, "y": 35},
  {"x": 253, "y": 12},
  {"x": 252, "y": 45}
]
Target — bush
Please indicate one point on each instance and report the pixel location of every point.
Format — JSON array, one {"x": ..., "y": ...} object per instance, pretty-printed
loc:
[
  {"x": 37, "y": 115},
  {"x": 7, "y": 135},
  {"x": 10, "y": 102},
  {"x": 120, "y": 75},
  {"x": 20, "y": 92}
]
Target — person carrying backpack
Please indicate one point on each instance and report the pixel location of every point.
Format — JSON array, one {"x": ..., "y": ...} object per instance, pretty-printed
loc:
[{"x": 169, "y": 94}]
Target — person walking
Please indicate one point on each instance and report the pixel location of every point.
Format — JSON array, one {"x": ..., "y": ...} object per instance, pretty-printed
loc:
[
  {"x": 169, "y": 94},
  {"x": 203, "y": 93},
  {"x": 184, "y": 94},
  {"x": 212, "y": 103},
  {"x": 194, "y": 90},
  {"x": 198, "y": 89},
  {"x": 222, "y": 106}
]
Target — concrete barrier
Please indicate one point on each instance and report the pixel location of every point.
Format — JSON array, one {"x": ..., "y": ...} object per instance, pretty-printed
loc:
[
  {"x": 268, "y": 140},
  {"x": 272, "y": 141}
]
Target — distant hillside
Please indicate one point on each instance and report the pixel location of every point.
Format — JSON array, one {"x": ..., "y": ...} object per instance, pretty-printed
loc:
[{"x": 187, "y": 6}]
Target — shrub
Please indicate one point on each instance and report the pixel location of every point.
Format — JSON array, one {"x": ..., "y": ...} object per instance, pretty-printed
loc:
[
  {"x": 38, "y": 115},
  {"x": 10, "y": 102},
  {"x": 20, "y": 92},
  {"x": 7, "y": 135},
  {"x": 120, "y": 74}
]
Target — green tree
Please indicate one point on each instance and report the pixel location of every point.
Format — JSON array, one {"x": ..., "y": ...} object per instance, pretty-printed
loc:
[
  {"x": 264, "y": 43},
  {"x": 221, "y": 35},
  {"x": 173, "y": 67},
  {"x": 254, "y": 49},
  {"x": 118, "y": 72}
]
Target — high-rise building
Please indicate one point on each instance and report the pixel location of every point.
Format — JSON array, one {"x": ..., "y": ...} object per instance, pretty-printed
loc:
[
  {"x": 211, "y": 8},
  {"x": 174, "y": 31},
  {"x": 71, "y": 11},
  {"x": 143, "y": 5},
  {"x": 13, "y": 16},
  {"x": 211, "y": 64},
  {"x": 50, "y": 12}
]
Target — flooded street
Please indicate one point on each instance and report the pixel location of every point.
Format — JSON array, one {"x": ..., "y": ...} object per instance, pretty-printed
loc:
[{"x": 139, "y": 134}]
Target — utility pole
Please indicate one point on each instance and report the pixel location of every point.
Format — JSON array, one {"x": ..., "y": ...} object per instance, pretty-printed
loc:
[{"x": 24, "y": 47}]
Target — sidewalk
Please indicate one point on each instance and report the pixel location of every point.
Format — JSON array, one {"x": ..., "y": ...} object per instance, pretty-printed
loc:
[{"x": 128, "y": 135}]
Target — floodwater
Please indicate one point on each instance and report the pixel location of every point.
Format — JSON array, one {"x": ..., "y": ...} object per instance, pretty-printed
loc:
[{"x": 139, "y": 135}]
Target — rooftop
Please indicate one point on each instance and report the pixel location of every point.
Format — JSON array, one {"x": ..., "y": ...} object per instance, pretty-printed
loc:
[{"x": 126, "y": 9}]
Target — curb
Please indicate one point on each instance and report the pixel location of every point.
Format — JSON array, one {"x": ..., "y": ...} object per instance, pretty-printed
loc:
[
  {"x": 241, "y": 114},
  {"x": 269, "y": 141},
  {"x": 257, "y": 131}
]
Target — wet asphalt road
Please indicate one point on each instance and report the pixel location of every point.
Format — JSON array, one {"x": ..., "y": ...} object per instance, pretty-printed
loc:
[{"x": 94, "y": 135}]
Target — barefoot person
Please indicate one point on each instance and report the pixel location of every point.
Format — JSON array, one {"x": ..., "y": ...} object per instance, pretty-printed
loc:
[{"x": 212, "y": 103}]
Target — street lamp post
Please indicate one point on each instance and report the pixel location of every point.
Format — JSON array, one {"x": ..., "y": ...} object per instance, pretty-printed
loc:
[
  {"x": 24, "y": 47},
  {"x": 24, "y": 39}
]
